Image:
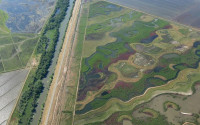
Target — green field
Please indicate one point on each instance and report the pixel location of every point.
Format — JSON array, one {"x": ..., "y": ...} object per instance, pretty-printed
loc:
[
  {"x": 26, "y": 50},
  {"x": 15, "y": 48},
  {"x": 125, "y": 53},
  {"x": 16, "y": 55}
]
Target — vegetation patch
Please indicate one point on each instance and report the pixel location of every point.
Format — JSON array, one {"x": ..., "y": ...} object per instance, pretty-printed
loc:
[
  {"x": 122, "y": 117},
  {"x": 127, "y": 70},
  {"x": 150, "y": 112},
  {"x": 3, "y": 19},
  {"x": 102, "y": 8},
  {"x": 5, "y": 40},
  {"x": 169, "y": 104},
  {"x": 152, "y": 49},
  {"x": 27, "y": 49},
  {"x": 11, "y": 46},
  {"x": 8, "y": 51},
  {"x": 13, "y": 63},
  {"x": 18, "y": 38},
  {"x": 166, "y": 38},
  {"x": 184, "y": 31},
  {"x": 143, "y": 60},
  {"x": 1, "y": 67}
]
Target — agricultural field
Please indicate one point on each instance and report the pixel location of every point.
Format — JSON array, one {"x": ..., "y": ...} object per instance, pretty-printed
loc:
[
  {"x": 15, "y": 48},
  {"x": 15, "y": 52},
  {"x": 129, "y": 57},
  {"x": 20, "y": 24}
]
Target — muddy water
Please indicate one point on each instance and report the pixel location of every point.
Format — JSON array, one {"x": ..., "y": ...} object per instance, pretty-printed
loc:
[
  {"x": 188, "y": 104},
  {"x": 182, "y": 11},
  {"x": 10, "y": 86},
  {"x": 46, "y": 81}
]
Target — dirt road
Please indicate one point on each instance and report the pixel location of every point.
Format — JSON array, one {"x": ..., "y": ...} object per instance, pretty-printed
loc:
[{"x": 53, "y": 106}]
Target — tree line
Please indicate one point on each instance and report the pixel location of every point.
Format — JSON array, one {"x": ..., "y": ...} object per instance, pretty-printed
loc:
[{"x": 46, "y": 48}]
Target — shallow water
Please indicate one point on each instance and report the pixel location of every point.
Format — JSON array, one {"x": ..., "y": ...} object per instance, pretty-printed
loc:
[
  {"x": 46, "y": 81},
  {"x": 182, "y": 11}
]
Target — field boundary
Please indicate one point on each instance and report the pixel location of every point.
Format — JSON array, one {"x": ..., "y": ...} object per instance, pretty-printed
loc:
[{"x": 74, "y": 112}]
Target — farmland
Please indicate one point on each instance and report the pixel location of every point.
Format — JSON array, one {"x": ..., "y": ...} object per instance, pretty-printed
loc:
[
  {"x": 15, "y": 48},
  {"x": 19, "y": 35},
  {"x": 129, "y": 57}
]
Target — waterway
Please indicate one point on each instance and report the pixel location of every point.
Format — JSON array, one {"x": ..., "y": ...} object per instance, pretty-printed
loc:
[{"x": 46, "y": 81}]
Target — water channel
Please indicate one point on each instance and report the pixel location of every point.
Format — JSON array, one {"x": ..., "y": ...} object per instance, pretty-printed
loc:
[{"x": 46, "y": 81}]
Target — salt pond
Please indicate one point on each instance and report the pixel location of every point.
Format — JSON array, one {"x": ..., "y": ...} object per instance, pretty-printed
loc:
[{"x": 10, "y": 86}]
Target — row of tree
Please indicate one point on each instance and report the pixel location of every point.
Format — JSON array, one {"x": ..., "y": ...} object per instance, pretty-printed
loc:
[{"x": 45, "y": 48}]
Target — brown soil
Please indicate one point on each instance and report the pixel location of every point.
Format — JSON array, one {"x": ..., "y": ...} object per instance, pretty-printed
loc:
[{"x": 34, "y": 62}]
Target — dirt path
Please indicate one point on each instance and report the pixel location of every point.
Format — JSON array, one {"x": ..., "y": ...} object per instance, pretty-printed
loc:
[{"x": 52, "y": 109}]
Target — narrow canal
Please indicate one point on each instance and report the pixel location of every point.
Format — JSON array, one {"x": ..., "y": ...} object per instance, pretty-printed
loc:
[{"x": 46, "y": 81}]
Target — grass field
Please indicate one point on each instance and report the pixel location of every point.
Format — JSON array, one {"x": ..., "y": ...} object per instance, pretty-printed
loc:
[
  {"x": 16, "y": 54},
  {"x": 13, "y": 63},
  {"x": 15, "y": 48},
  {"x": 125, "y": 53},
  {"x": 5, "y": 40},
  {"x": 7, "y": 51},
  {"x": 18, "y": 37},
  {"x": 3, "y": 18},
  {"x": 27, "y": 49}
]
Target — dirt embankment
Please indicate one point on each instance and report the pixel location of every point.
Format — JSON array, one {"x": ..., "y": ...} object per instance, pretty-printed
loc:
[{"x": 56, "y": 96}]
